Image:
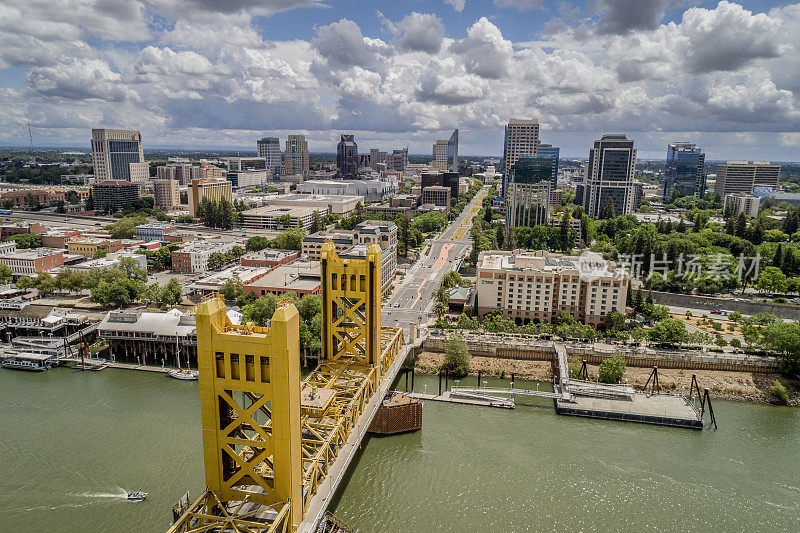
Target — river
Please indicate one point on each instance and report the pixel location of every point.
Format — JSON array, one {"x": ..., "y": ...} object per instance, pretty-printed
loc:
[{"x": 72, "y": 442}]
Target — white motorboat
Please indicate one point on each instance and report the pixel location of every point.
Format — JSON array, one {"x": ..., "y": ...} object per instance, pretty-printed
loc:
[
  {"x": 136, "y": 496},
  {"x": 184, "y": 374}
]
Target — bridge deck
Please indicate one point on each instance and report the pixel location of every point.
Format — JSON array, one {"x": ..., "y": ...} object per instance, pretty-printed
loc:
[{"x": 325, "y": 490}]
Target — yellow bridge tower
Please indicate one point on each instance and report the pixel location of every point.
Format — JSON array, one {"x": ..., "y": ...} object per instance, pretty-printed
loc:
[{"x": 269, "y": 439}]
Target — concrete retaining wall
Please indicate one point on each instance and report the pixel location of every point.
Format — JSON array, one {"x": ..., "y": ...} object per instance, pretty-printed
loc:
[
  {"x": 532, "y": 350},
  {"x": 743, "y": 306}
]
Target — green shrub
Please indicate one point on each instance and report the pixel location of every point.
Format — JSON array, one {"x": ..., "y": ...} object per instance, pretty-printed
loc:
[
  {"x": 612, "y": 369},
  {"x": 779, "y": 392},
  {"x": 456, "y": 356}
]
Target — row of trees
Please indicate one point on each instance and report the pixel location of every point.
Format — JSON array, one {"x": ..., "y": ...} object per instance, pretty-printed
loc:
[
  {"x": 218, "y": 260},
  {"x": 118, "y": 286},
  {"x": 290, "y": 239},
  {"x": 221, "y": 214}
]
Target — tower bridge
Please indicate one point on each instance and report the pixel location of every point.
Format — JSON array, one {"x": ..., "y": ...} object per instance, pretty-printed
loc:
[{"x": 276, "y": 447}]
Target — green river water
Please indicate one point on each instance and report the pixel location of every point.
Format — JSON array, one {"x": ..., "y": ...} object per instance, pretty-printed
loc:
[{"x": 72, "y": 442}]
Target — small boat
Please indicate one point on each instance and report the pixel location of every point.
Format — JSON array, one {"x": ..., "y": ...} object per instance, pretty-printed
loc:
[
  {"x": 182, "y": 373},
  {"x": 28, "y": 361},
  {"x": 136, "y": 496}
]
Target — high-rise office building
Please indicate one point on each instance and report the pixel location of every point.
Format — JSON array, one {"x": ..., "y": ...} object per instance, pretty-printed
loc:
[
  {"x": 521, "y": 139},
  {"x": 347, "y": 157},
  {"x": 439, "y": 155},
  {"x": 270, "y": 149},
  {"x": 445, "y": 154},
  {"x": 609, "y": 177},
  {"x": 684, "y": 174},
  {"x": 296, "y": 156},
  {"x": 117, "y": 155},
  {"x": 376, "y": 157},
  {"x": 742, "y": 177},
  {"x": 528, "y": 192},
  {"x": 397, "y": 160},
  {"x": 548, "y": 150}
]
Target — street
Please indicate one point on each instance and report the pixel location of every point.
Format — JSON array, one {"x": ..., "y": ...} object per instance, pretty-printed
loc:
[{"x": 413, "y": 296}]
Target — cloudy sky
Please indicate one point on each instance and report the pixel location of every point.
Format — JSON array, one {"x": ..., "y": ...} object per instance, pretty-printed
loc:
[{"x": 219, "y": 74}]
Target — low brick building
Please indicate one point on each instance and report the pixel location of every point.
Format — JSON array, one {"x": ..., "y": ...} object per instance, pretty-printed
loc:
[{"x": 31, "y": 262}]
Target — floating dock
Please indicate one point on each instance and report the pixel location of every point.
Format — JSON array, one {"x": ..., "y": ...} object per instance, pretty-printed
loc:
[
  {"x": 661, "y": 409},
  {"x": 575, "y": 397}
]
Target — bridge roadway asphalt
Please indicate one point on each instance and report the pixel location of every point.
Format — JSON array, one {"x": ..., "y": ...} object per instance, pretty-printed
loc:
[{"x": 413, "y": 297}]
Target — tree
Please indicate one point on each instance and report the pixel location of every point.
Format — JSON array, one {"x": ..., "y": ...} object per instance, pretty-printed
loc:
[
  {"x": 132, "y": 269},
  {"x": 440, "y": 309},
  {"x": 615, "y": 321},
  {"x": 26, "y": 240},
  {"x": 257, "y": 243},
  {"x": 456, "y": 356},
  {"x": 359, "y": 213},
  {"x": 125, "y": 228},
  {"x": 750, "y": 334},
  {"x": 607, "y": 211},
  {"x": 403, "y": 235},
  {"x": 772, "y": 279},
  {"x": 6, "y": 273},
  {"x": 669, "y": 330},
  {"x": 316, "y": 222},
  {"x": 735, "y": 316},
  {"x": 309, "y": 306},
  {"x": 284, "y": 220},
  {"x": 510, "y": 241},
  {"x": 25, "y": 282},
  {"x": 232, "y": 288},
  {"x": 611, "y": 369},
  {"x": 564, "y": 231},
  {"x": 45, "y": 283},
  {"x": 784, "y": 338},
  {"x": 260, "y": 311},
  {"x": 217, "y": 260},
  {"x": 290, "y": 239},
  {"x": 171, "y": 293}
]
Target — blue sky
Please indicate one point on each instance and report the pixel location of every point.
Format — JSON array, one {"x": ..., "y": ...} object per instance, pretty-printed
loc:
[{"x": 207, "y": 74}]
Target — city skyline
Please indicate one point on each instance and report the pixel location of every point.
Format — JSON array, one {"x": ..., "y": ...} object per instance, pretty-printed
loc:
[{"x": 395, "y": 75}]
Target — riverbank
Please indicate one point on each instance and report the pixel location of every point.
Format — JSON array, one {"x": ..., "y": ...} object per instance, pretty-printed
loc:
[{"x": 736, "y": 386}]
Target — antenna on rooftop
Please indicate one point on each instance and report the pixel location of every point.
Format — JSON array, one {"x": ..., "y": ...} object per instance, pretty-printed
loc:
[{"x": 30, "y": 136}]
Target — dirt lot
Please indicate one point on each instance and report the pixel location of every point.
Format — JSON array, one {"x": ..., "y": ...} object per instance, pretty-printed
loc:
[
  {"x": 724, "y": 322},
  {"x": 428, "y": 362},
  {"x": 739, "y": 386}
]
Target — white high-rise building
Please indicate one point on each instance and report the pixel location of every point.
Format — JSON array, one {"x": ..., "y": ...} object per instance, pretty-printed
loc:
[
  {"x": 270, "y": 149},
  {"x": 522, "y": 139},
  {"x": 117, "y": 155}
]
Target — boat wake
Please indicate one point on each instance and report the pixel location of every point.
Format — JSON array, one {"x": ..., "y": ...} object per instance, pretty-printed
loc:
[{"x": 122, "y": 494}]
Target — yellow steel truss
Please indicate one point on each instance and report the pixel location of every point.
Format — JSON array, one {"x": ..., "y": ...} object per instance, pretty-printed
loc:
[
  {"x": 351, "y": 304},
  {"x": 268, "y": 439}
]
